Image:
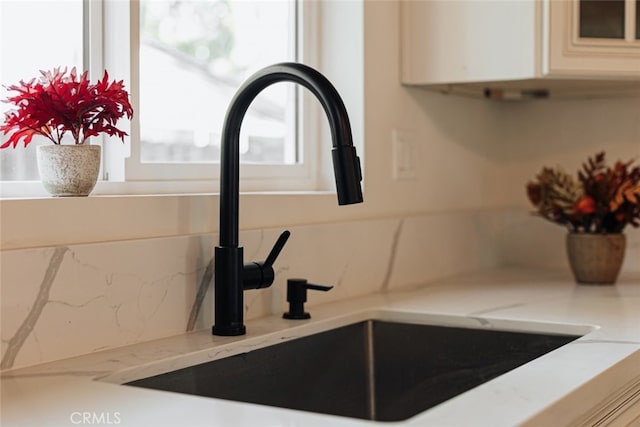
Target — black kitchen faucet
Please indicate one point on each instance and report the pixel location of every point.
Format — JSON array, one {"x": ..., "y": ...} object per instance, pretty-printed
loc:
[{"x": 232, "y": 276}]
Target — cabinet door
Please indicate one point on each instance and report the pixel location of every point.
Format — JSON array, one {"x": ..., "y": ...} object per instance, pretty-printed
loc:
[
  {"x": 599, "y": 38},
  {"x": 463, "y": 41}
]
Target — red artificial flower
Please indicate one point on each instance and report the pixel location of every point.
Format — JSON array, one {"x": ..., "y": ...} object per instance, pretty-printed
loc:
[
  {"x": 585, "y": 205},
  {"x": 58, "y": 103}
]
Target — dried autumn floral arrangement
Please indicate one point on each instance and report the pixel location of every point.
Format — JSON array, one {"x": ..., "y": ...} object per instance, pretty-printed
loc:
[
  {"x": 602, "y": 200},
  {"x": 60, "y": 102}
]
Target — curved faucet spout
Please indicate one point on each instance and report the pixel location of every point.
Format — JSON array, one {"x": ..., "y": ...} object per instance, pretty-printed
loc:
[
  {"x": 229, "y": 270},
  {"x": 345, "y": 161}
]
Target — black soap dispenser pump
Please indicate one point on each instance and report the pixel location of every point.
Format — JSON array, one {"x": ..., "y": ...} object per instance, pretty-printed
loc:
[{"x": 297, "y": 296}]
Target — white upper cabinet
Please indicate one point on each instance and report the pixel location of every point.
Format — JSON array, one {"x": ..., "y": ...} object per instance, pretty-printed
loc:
[{"x": 533, "y": 48}]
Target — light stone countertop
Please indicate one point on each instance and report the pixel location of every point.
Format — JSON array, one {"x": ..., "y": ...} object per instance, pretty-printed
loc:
[{"x": 577, "y": 384}]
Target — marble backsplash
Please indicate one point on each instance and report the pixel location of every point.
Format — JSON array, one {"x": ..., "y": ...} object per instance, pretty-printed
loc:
[{"x": 57, "y": 302}]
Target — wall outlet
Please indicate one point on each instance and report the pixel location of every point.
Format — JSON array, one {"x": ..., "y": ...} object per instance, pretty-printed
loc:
[{"x": 402, "y": 154}]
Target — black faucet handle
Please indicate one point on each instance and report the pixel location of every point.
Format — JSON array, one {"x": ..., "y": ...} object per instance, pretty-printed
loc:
[
  {"x": 258, "y": 275},
  {"x": 277, "y": 248},
  {"x": 297, "y": 296}
]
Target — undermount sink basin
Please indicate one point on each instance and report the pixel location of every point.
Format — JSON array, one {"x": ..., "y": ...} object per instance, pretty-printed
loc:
[{"x": 375, "y": 370}]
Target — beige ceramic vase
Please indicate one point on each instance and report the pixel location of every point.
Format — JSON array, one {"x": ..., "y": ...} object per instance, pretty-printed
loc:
[
  {"x": 69, "y": 170},
  {"x": 596, "y": 259}
]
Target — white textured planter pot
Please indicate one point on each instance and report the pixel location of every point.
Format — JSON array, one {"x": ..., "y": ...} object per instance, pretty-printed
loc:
[
  {"x": 596, "y": 258},
  {"x": 69, "y": 170}
]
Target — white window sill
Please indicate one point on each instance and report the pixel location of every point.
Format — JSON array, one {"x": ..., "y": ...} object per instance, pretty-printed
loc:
[
  {"x": 34, "y": 189},
  {"x": 36, "y": 221}
]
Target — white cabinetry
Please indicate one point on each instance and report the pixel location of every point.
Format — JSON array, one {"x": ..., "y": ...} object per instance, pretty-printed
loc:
[{"x": 533, "y": 47}]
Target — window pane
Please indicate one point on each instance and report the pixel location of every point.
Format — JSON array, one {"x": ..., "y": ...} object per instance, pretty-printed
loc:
[
  {"x": 602, "y": 18},
  {"x": 193, "y": 57},
  {"x": 34, "y": 36}
]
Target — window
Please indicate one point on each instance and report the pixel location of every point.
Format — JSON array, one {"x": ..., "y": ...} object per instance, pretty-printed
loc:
[
  {"x": 195, "y": 55},
  {"x": 188, "y": 57},
  {"x": 23, "y": 53}
]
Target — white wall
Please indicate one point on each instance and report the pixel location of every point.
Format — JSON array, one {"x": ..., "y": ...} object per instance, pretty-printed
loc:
[
  {"x": 566, "y": 133},
  {"x": 455, "y": 142},
  {"x": 561, "y": 133}
]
